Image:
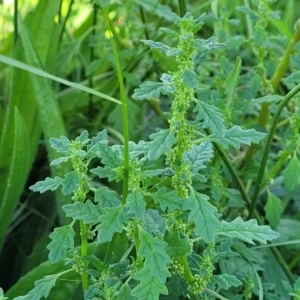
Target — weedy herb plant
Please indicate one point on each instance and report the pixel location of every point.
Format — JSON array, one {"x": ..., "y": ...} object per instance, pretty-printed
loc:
[{"x": 164, "y": 236}]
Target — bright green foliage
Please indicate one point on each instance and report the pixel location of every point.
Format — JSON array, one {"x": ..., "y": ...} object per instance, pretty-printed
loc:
[
  {"x": 162, "y": 216},
  {"x": 273, "y": 209},
  {"x": 154, "y": 253},
  {"x": 41, "y": 289},
  {"x": 202, "y": 213},
  {"x": 62, "y": 240},
  {"x": 248, "y": 231},
  {"x": 149, "y": 287}
]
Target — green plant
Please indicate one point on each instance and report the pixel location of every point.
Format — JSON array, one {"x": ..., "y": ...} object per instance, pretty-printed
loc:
[{"x": 171, "y": 231}]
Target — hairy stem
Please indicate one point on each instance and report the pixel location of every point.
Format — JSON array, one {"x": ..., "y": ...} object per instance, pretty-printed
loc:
[
  {"x": 264, "y": 160},
  {"x": 124, "y": 107}
]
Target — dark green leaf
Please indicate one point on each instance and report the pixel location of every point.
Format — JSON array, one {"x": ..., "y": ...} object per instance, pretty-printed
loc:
[
  {"x": 162, "y": 143},
  {"x": 211, "y": 116},
  {"x": 62, "y": 240},
  {"x": 291, "y": 174},
  {"x": 167, "y": 199},
  {"x": 149, "y": 287},
  {"x": 125, "y": 293},
  {"x": 231, "y": 81},
  {"x": 202, "y": 213},
  {"x": 136, "y": 204},
  {"x": 70, "y": 183},
  {"x": 247, "y": 231},
  {"x": 156, "y": 258},
  {"x": 177, "y": 246},
  {"x": 273, "y": 209},
  {"x": 112, "y": 221},
  {"x": 46, "y": 185},
  {"x": 87, "y": 211}
]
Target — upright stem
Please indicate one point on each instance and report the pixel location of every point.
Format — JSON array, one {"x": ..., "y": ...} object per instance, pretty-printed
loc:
[
  {"x": 264, "y": 160},
  {"x": 275, "y": 80},
  {"x": 16, "y": 12},
  {"x": 84, "y": 249},
  {"x": 182, "y": 7},
  {"x": 109, "y": 25}
]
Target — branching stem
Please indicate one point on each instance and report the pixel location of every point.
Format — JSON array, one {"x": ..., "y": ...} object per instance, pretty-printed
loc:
[{"x": 264, "y": 160}]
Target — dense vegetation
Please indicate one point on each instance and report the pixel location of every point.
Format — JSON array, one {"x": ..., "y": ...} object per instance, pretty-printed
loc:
[{"x": 149, "y": 149}]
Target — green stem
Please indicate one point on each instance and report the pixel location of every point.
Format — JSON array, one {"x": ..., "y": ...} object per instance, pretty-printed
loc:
[
  {"x": 16, "y": 12},
  {"x": 84, "y": 251},
  {"x": 275, "y": 80},
  {"x": 264, "y": 160},
  {"x": 124, "y": 107},
  {"x": 189, "y": 277},
  {"x": 215, "y": 294},
  {"x": 182, "y": 7}
]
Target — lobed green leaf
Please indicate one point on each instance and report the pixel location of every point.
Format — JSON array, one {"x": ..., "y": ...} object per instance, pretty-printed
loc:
[
  {"x": 167, "y": 199},
  {"x": 236, "y": 136},
  {"x": 70, "y": 182},
  {"x": 47, "y": 184},
  {"x": 149, "y": 287},
  {"x": 112, "y": 221},
  {"x": 106, "y": 198},
  {"x": 202, "y": 213},
  {"x": 211, "y": 116},
  {"x": 87, "y": 212},
  {"x": 41, "y": 289},
  {"x": 225, "y": 281},
  {"x": 136, "y": 204},
  {"x": 198, "y": 155},
  {"x": 162, "y": 143},
  {"x": 248, "y": 231},
  {"x": 62, "y": 240},
  {"x": 156, "y": 258}
]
